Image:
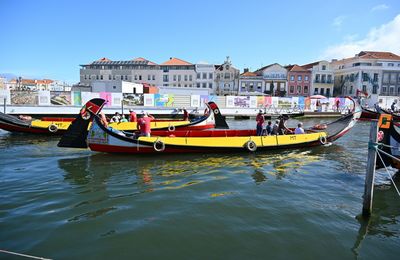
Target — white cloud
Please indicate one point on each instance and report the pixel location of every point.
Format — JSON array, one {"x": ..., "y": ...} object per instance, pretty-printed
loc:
[
  {"x": 384, "y": 38},
  {"x": 338, "y": 21},
  {"x": 379, "y": 7}
]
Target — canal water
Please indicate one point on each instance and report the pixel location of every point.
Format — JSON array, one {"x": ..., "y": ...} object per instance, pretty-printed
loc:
[{"x": 300, "y": 204}]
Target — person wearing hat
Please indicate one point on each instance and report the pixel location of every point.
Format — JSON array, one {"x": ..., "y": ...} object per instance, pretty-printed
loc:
[
  {"x": 260, "y": 122},
  {"x": 144, "y": 124},
  {"x": 282, "y": 125},
  {"x": 132, "y": 116}
]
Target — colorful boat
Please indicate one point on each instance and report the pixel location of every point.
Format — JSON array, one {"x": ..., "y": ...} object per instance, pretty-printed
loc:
[
  {"x": 58, "y": 126},
  {"x": 102, "y": 139},
  {"x": 389, "y": 140},
  {"x": 368, "y": 114}
]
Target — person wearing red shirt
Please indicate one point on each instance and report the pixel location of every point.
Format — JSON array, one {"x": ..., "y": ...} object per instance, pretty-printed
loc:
[
  {"x": 260, "y": 123},
  {"x": 132, "y": 116},
  {"x": 144, "y": 124}
]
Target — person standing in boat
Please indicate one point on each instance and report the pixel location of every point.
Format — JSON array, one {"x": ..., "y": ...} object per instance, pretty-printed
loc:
[
  {"x": 144, "y": 124},
  {"x": 132, "y": 116},
  {"x": 299, "y": 129},
  {"x": 393, "y": 106},
  {"x": 185, "y": 115},
  {"x": 260, "y": 122}
]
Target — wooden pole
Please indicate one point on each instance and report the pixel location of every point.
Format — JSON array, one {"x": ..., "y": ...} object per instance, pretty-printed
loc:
[
  {"x": 5, "y": 105},
  {"x": 370, "y": 176}
]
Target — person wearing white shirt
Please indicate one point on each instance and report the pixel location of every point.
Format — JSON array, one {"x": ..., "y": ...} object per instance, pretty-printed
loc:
[{"x": 299, "y": 129}]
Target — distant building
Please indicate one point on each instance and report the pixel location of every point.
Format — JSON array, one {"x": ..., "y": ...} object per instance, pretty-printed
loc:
[
  {"x": 205, "y": 77},
  {"x": 270, "y": 80},
  {"x": 30, "y": 84},
  {"x": 299, "y": 80},
  {"x": 371, "y": 72},
  {"x": 226, "y": 78},
  {"x": 178, "y": 73},
  {"x": 322, "y": 75}
]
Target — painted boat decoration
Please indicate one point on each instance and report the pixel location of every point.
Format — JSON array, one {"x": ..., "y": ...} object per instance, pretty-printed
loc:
[
  {"x": 58, "y": 126},
  {"x": 368, "y": 114},
  {"x": 389, "y": 138},
  {"x": 102, "y": 139}
]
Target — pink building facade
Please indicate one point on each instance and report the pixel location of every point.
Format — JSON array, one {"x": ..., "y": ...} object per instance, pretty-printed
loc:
[{"x": 298, "y": 81}]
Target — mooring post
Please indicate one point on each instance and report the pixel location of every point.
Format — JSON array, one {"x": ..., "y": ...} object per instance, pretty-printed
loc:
[
  {"x": 5, "y": 105},
  {"x": 370, "y": 176}
]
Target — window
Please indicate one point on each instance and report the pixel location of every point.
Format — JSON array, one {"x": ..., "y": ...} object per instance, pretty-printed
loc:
[
  {"x": 315, "y": 91},
  {"x": 179, "y": 77},
  {"x": 329, "y": 79},
  {"x": 291, "y": 90},
  {"x": 386, "y": 78},
  {"x": 383, "y": 90},
  {"x": 323, "y": 67},
  {"x": 204, "y": 85},
  {"x": 210, "y": 85},
  {"x": 391, "y": 90},
  {"x": 305, "y": 89},
  {"x": 351, "y": 90},
  {"x": 390, "y": 64},
  {"x": 154, "y": 77},
  {"x": 135, "y": 77},
  {"x": 374, "y": 89},
  {"x": 198, "y": 75},
  {"x": 126, "y": 77},
  {"x": 364, "y": 88},
  {"x": 140, "y": 77},
  {"x": 186, "y": 77},
  {"x": 305, "y": 78},
  {"x": 174, "y": 77},
  {"x": 190, "y": 78},
  {"x": 365, "y": 76},
  {"x": 227, "y": 75},
  {"x": 165, "y": 78},
  {"x": 210, "y": 75},
  {"x": 243, "y": 84},
  {"x": 258, "y": 85},
  {"x": 148, "y": 77},
  {"x": 321, "y": 91},
  {"x": 317, "y": 78},
  {"x": 392, "y": 78},
  {"x": 299, "y": 78},
  {"x": 198, "y": 85},
  {"x": 328, "y": 92},
  {"x": 291, "y": 78},
  {"x": 298, "y": 89},
  {"x": 204, "y": 75},
  {"x": 114, "y": 87},
  {"x": 85, "y": 76},
  {"x": 352, "y": 77},
  {"x": 323, "y": 78},
  {"x": 97, "y": 77},
  {"x": 113, "y": 77}
]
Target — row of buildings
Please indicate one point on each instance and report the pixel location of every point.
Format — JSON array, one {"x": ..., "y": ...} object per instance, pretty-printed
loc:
[
  {"x": 23, "y": 84},
  {"x": 367, "y": 73}
]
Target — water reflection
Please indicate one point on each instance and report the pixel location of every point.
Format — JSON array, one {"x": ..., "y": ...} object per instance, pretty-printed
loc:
[{"x": 385, "y": 215}]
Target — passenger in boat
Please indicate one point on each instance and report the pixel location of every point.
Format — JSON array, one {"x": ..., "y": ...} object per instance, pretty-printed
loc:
[
  {"x": 299, "y": 129},
  {"x": 123, "y": 119},
  {"x": 268, "y": 128},
  {"x": 132, "y": 116},
  {"x": 185, "y": 114},
  {"x": 25, "y": 118},
  {"x": 282, "y": 125},
  {"x": 206, "y": 111},
  {"x": 260, "y": 122},
  {"x": 393, "y": 106},
  {"x": 116, "y": 118},
  {"x": 144, "y": 124},
  {"x": 275, "y": 128}
]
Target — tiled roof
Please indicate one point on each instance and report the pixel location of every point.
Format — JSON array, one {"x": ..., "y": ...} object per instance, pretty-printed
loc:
[
  {"x": 33, "y": 81},
  {"x": 378, "y": 55},
  {"x": 143, "y": 59},
  {"x": 175, "y": 62},
  {"x": 310, "y": 65},
  {"x": 248, "y": 74},
  {"x": 297, "y": 68},
  {"x": 104, "y": 59}
]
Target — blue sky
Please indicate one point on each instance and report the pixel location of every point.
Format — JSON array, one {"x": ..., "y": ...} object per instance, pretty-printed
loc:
[{"x": 50, "y": 39}]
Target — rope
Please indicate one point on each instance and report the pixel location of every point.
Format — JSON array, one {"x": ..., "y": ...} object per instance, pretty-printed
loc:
[
  {"x": 386, "y": 168},
  {"x": 387, "y": 154},
  {"x": 372, "y": 145},
  {"x": 29, "y": 256}
]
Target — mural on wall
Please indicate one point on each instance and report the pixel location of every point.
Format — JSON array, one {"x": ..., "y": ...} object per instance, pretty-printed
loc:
[
  {"x": 164, "y": 100},
  {"x": 106, "y": 96},
  {"x": 241, "y": 102},
  {"x": 77, "y": 99},
  {"x": 130, "y": 99},
  {"x": 264, "y": 101},
  {"x": 60, "y": 98},
  {"x": 284, "y": 102},
  {"x": 24, "y": 97},
  {"x": 205, "y": 99}
]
